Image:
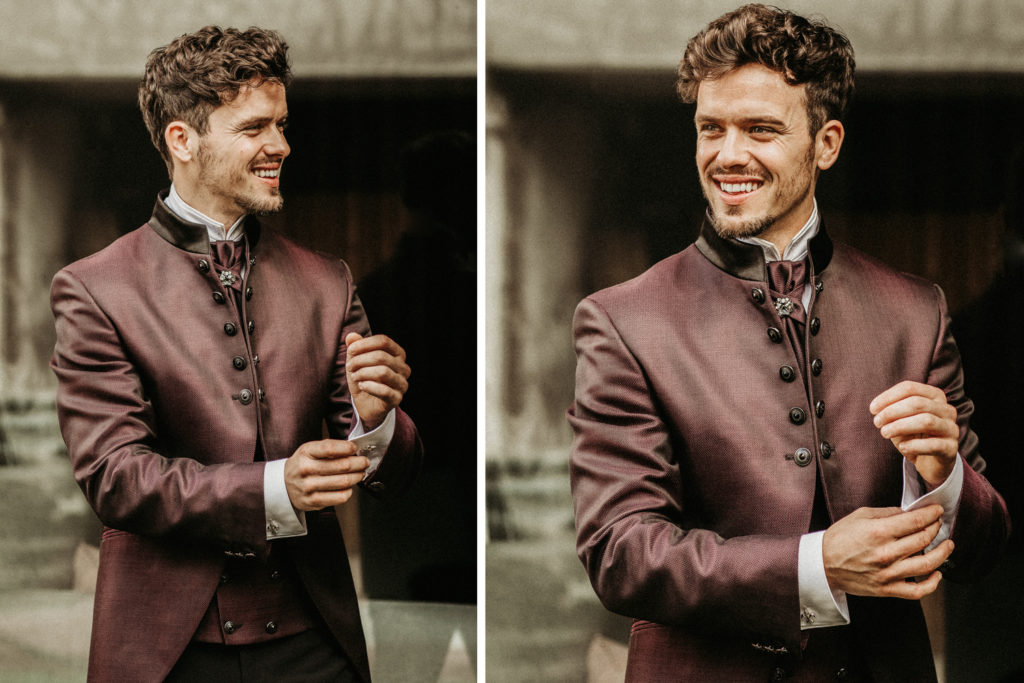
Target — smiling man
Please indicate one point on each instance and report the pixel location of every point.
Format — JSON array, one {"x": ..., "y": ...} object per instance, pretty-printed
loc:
[
  {"x": 772, "y": 460},
  {"x": 198, "y": 359}
]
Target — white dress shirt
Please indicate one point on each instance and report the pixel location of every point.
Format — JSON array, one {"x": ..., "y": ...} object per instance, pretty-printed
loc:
[
  {"x": 820, "y": 606},
  {"x": 284, "y": 520}
]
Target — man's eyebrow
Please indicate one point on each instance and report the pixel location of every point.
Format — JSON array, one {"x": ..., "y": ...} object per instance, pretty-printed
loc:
[{"x": 258, "y": 121}]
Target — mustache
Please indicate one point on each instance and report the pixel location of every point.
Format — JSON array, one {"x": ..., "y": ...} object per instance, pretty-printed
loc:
[{"x": 752, "y": 171}]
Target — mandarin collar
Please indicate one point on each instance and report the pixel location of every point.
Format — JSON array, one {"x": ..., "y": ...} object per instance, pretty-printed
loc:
[
  {"x": 192, "y": 237},
  {"x": 747, "y": 261}
]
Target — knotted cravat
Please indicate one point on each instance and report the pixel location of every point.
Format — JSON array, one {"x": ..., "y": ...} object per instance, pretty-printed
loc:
[
  {"x": 786, "y": 282},
  {"x": 227, "y": 256}
]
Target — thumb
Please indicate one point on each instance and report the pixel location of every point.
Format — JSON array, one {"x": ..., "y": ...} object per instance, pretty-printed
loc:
[{"x": 352, "y": 337}]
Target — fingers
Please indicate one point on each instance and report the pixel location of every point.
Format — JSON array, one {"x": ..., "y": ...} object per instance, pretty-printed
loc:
[
  {"x": 901, "y": 580},
  {"x": 322, "y": 473},
  {"x": 357, "y": 345},
  {"x": 903, "y": 390}
]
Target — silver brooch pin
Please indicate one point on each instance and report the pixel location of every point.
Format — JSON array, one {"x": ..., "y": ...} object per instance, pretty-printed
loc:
[
  {"x": 227, "y": 278},
  {"x": 784, "y": 306}
]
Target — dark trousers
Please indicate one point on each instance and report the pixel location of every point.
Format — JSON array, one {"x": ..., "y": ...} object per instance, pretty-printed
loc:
[{"x": 309, "y": 657}]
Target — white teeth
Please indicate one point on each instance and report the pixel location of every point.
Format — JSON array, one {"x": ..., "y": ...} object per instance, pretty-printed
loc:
[
  {"x": 739, "y": 187},
  {"x": 267, "y": 174}
]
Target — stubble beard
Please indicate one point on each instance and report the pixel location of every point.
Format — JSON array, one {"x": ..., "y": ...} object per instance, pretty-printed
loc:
[{"x": 220, "y": 180}]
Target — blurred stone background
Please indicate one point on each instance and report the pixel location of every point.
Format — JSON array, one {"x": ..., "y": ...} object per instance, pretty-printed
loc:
[
  {"x": 590, "y": 179},
  {"x": 77, "y": 170}
]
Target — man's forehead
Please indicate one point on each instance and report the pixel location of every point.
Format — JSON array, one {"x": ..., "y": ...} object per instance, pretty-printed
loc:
[{"x": 748, "y": 89}]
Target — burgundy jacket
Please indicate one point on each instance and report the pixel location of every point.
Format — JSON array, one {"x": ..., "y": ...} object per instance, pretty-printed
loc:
[
  {"x": 689, "y": 498},
  {"x": 162, "y": 395}
]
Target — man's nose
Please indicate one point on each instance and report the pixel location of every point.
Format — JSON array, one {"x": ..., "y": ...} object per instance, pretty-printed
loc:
[
  {"x": 734, "y": 150},
  {"x": 277, "y": 145}
]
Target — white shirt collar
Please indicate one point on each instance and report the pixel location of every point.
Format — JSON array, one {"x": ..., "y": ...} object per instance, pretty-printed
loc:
[
  {"x": 216, "y": 230},
  {"x": 796, "y": 250}
]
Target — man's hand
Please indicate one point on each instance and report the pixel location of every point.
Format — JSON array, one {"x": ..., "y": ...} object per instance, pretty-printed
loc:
[
  {"x": 378, "y": 376},
  {"x": 873, "y": 551},
  {"x": 922, "y": 425},
  {"x": 320, "y": 474}
]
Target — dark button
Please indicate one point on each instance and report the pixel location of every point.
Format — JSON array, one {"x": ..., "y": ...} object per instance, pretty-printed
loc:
[
  {"x": 816, "y": 366},
  {"x": 841, "y": 675},
  {"x": 262, "y": 395},
  {"x": 203, "y": 266},
  {"x": 252, "y": 327},
  {"x": 376, "y": 486},
  {"x": 826, "y": 450},
  {"x": 248, "y": 293},
  {"x": 797, "y": 416},
  {"x": 775, "y": 335},
  {"x": 802, "y": 457},
  {"x": 787, "y": 373},
  {"x": 224, "y": 578},
  {"x": 758, "y": 295},
  {"x": 275, "y": 575},
  {"x": 271, "y": 627},
  {"x": 818, "y": 287},
  {"x": 245, "y": 397},
  {"x": 218, "y": 297},
  {"x": 230, "y": 627},
  {"x": 778, "y": 674},
  {"x": 256, "y": 359},
  {"x": 238, "y": 362},
  {"x": 230, "y": 329},
  {"x": 815, "y": 325},
  {"x": 819, "y": 408},
  {"x": 252, "y": 260}
]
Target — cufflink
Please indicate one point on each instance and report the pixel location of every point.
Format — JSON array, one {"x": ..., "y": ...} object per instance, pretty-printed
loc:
[
  {"x": 273, "y": 527},
  {"x": 807, "y": 616}
]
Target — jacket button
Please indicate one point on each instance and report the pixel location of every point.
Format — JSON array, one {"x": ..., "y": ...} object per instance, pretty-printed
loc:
[
  {"x": 248, "y": 293},
  {"x": 252, "y": 260},
  {"x": 775, "y": 335},
  {"x": 376, "y": 486},
  {"x": 816, "y": 366},
  {"x": 224, "y": 578},
  {"x": 757, "y": 294},
  {"x": 263, "y": 395},
  {"x": 802, "y": 457},
  {"x": 238, "y": 362},
  {"x": 203, "y": 266},
  {"x": 230, "y": 329},
  {"x": 271, "y": 627},
  {"x": 797, "y": 416},
  {"x": 245, "y": 397},
  {"x": 841, "y": 675},
  {"x": 218, "y": 297},
  {"x": 787, "y": 373},
  {"x": 778, "y": 674},
  {"x": 819, "y": 408},
  {"x": 275, "y": 575},
  {"x": 826, "y": 450},
  {"x": 252, "y": 327},
  {"x": 815, "y": 325},
  {"x": 819, "y": 287},
  {"x": 230, "y": 627}
]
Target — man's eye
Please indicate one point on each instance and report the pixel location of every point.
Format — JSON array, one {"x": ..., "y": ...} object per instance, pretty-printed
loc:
[{"x": 762, "y": 130}]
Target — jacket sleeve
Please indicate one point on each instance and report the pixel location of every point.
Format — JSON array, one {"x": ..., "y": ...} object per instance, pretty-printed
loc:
[
  {"x": 401, "y": 462},
  {"x": 109, "y": 426},
  {"x": 628, "y": 501},
  {"x": 982, "y": 524}
]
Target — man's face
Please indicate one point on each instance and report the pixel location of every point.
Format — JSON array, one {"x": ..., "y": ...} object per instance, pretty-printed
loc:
[
  {"x": 239, "y": 159},
  {"x": 755, "y": 156}
]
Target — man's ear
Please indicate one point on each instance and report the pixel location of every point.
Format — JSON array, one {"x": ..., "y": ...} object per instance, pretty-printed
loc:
[
  {"x": 182, "y": 141},
  {"x": 827, "y": 143}
]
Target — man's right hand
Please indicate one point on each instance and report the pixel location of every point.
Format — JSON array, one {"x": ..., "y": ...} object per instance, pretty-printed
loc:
[
  {"x": 873, "y": 551},
  {"x": 320, "y": 474}
]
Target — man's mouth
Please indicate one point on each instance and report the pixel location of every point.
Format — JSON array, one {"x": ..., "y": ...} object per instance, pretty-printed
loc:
[
  {"x": 267, "y": 172},
  {"x": 739, "y": 188}
]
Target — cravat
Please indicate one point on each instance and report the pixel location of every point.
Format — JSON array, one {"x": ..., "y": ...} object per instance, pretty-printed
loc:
[
  {"x": 227, "y": 256},
  {"x": 786, "y": 282}
]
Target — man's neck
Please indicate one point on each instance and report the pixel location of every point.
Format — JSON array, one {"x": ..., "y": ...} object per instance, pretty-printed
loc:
[
  {"x": 788, "y": 248},
  {"x": 217, "y": 230}
]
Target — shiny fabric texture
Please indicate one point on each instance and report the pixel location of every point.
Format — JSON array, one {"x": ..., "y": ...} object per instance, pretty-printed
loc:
[
  {"x": 689, "y": 501},
  {"x": 161, "y": 402}
]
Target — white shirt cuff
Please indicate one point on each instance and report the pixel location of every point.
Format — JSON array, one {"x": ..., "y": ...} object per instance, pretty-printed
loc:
[
  {"x": 375, "y": 443},
  {"x": 947, "y": 494},
  {"x": 283, "y": 520},
  {"x": 820, "y": 606}
]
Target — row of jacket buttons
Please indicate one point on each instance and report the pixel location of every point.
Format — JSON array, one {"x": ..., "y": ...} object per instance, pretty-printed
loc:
[
  {"x": 230, "y": 627},
  {"x": 221, "y": 299}
]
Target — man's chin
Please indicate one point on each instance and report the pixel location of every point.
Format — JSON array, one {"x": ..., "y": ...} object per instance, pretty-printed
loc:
[{"x": 731, "y": 227}]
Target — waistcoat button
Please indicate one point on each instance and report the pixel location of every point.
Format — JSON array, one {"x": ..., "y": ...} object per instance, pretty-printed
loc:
[
  {"x": 775, "y": 335},
  {"x": 815, "y": 325},
  {"x": 238, "y": 362},
  {"x": 816, "y": 366},
  {"x": 271, "y": 627},
  {"x": 797, "y": 416},
  {"x": 230, "y": 329},
  {"x": 218, "y": 297},
  {"x": 787, "y": 373},
  {"x": 802, "y": 457},
  {"x": 230, "y": 627},
  {"x": 245, "y": 397},
  {"x": 757, "y": 294},
  {"x": 203, "y": 266}
]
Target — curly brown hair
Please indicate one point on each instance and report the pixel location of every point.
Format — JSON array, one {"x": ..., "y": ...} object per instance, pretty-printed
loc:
[
  {"x": 805, "y": 52},
  {"x": 195, "y": 73}
]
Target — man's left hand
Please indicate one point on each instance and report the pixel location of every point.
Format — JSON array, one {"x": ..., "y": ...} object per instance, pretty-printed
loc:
[
  {"x": 922, "y": 425},
  {"x": 378, "y": 376}
]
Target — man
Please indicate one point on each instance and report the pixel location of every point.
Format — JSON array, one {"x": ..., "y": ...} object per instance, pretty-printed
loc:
[
  {"x": 750, "y": 412},
  {"x": 193, "y": 390}
]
